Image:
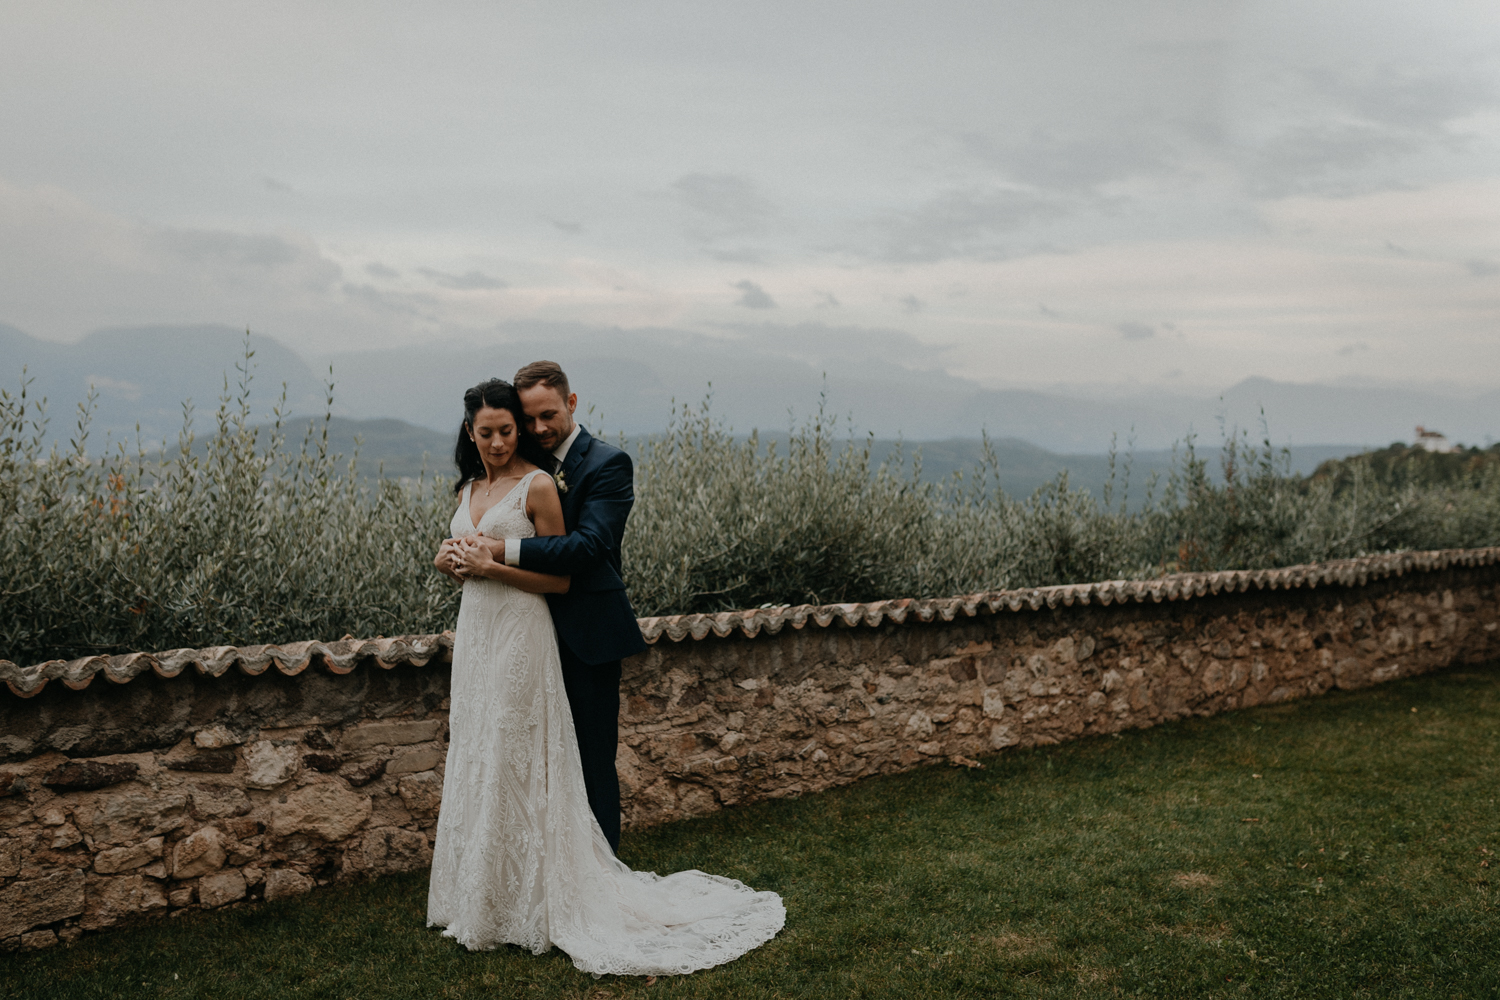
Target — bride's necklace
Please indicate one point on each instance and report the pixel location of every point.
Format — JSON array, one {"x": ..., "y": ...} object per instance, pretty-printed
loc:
[{"x": 489, "y": 485}]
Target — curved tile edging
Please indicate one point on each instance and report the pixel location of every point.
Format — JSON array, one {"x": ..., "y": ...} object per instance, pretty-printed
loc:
[
  {"x": 342, "y": 656},
  {"x": 1178, "y": 587},
  {"x": 339, "y": 657}
]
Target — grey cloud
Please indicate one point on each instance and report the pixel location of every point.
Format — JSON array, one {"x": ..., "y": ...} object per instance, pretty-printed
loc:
[
  {"x": 754, "y": 297},
  {"x": 1135, "y": 331},
  {"x": 827, "y": 159},
  {"x": 232, "y": 258},
  {"x": 471, "y": 282},
  {"x": 737, "y": 255},
  {"x": 912, "y": 304},
  {"x": 1072, "y": 164},
  {"x": 724, "y": 208},
  {"x": 65, "y": 272},
  {"x": 732, "y": 199},
  {"x": 960, "y": 224},
  {"x": 826, "y": 300},
  {"x": 1399, "y": 98},
  {"x": 1301, "y": 129},
  {"x": 375, "y": 269},
  {"x": 1325, "y": 158},
  {"x": 383, "y": 302},
  {"x": 1355, "y": 127},
  {"x": 1482, "y": 268},
  {"x": 1164, "y": 114},
  {"x": 1349, "y": 350},
  {"x": 205, "y": 246}
]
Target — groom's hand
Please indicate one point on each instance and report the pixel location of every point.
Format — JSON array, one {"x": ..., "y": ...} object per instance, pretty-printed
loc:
[
  {"x": 472, "y": 558},
  {"x": 495, "y": 545}
]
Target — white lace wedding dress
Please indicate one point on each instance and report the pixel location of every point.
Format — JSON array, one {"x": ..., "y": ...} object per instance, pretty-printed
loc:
[{"x": 519, "y": 857}]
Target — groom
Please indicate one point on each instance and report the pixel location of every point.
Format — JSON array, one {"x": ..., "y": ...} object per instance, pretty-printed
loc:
[{"x": 596, "y": 626}]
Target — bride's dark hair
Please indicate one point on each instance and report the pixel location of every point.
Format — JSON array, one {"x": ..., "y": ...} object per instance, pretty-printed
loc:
[{"x": 500, "y": 395}]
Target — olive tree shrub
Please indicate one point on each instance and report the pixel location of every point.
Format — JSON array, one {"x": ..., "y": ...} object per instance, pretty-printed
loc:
[
  {"x": 249, "y": 538},
  {"x": 247, "y": 541},
  {"x": 720, "y": 523}
]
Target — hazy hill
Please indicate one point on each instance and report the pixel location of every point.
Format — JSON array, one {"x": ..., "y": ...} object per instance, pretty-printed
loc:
[
  {"x": 1024, "y": 467},
  {"x": 143, "y": 375},
  {"x": 1401, "y": 464},
  {"x": 393, "y": 448},
  {"x": 632, "y": 376},
  {"x": 760, "y": 379},
  {"x": 409, "y": 400},
  {"x": 399, "y": 449}
]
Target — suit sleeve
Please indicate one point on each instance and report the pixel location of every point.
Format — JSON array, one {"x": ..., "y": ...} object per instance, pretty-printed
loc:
[{"x": 600, "y": 529}]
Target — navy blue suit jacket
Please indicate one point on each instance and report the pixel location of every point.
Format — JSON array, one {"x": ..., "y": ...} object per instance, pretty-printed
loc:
[{"x": 594, "y": 618}]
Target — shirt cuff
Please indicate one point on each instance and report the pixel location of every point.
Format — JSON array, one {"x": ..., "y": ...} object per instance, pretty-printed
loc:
[{"x": 512, "y": 552}]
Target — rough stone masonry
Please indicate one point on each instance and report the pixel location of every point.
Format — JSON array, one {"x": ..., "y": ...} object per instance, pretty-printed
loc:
[{"x": 164, "y": 790}]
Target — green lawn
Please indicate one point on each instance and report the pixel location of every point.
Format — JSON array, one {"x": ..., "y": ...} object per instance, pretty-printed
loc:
[{"x": 1123, "y": 866}]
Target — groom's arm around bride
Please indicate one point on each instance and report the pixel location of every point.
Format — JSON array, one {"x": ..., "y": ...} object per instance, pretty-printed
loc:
[{"x": 596, "y": 626}]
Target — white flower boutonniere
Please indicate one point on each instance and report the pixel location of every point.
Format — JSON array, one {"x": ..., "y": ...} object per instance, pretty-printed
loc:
[{"x": 562, "y": 484}]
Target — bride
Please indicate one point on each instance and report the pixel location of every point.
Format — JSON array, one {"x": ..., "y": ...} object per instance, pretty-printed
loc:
[{"x": 519, "y": 857}]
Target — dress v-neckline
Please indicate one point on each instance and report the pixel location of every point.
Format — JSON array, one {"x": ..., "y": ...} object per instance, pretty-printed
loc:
[{"x": 469, "y": 500}]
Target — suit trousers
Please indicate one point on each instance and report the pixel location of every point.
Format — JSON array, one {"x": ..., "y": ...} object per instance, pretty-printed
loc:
[{"x": 594, "y": 698}]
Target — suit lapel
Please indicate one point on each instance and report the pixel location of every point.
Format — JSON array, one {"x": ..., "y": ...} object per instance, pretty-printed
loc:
[
  {"x": 571, "y": 475},
  {"x": 576, "y": 453}
]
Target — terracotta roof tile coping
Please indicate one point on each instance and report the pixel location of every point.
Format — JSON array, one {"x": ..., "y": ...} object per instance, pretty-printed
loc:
[{"x": 343, "y": 655}]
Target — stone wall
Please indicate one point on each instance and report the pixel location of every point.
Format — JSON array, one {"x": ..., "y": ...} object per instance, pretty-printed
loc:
[
  {"x": 168, "y": 794},
  {"x": 164, "y": 789}
]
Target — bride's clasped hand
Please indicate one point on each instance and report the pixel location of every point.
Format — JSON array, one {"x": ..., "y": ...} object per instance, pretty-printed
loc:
[
  {"x": 530, "y": 818},
  {"x": 468, "y": 558}
]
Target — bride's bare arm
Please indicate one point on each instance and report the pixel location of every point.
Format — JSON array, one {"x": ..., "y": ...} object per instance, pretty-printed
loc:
[{"x": 544, "y": 507}]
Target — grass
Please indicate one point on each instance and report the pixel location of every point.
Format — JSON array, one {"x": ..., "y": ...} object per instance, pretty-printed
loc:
[{"x": 1118, "y": 866}]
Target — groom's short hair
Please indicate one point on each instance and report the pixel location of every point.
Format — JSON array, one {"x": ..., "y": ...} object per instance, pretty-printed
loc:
[{"x": 548, "y": 373}]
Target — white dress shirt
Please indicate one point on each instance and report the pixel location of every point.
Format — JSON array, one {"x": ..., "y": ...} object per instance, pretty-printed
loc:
[
  {"x": 513, "y": 545},
  {"x": 561, "y": 451}
]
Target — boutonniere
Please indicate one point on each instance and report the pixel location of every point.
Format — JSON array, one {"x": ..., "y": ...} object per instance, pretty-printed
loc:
[{"x": 562, "y": 484}]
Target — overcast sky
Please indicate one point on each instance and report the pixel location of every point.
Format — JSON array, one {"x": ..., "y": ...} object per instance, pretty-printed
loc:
[{"x": 1021, "y": 193}]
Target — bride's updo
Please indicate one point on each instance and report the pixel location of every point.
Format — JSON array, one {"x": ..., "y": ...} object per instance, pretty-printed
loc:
[{"x": 500, "y": 395}]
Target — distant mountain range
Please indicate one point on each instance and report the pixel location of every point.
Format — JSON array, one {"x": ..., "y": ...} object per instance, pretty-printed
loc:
[
  {"x": 630, "y": 378},
  {"x": 396, "y": 449},
  {"x": 143, "y": 376}
]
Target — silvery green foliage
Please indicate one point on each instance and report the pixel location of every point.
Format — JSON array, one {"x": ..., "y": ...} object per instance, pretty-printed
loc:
[
  {"x": 1253, "y": 513},
  {"x": 721, "y": 524},
  {"x": 726, "y": 524},
  {"x": 249, "y": 541},
  {"x": 255, "y": 539}
]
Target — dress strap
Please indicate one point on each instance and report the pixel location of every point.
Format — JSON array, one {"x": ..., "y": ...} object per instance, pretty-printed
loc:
[{"x": 523, "y": 488}]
